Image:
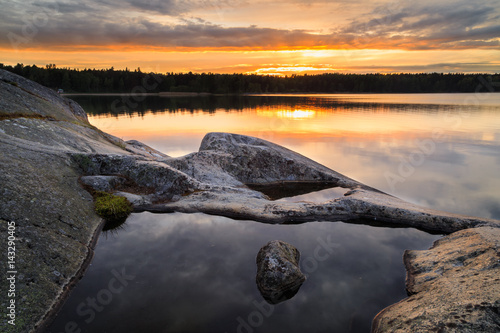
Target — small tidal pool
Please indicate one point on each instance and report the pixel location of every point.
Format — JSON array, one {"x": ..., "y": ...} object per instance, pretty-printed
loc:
[{"x": 196, "y": 273}]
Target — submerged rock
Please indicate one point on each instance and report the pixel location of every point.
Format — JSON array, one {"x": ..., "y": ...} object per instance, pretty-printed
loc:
[{"x": 278, "y": 274}]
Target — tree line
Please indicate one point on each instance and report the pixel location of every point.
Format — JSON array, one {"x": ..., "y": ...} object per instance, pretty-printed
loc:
[{"x": 136, "y": 81}]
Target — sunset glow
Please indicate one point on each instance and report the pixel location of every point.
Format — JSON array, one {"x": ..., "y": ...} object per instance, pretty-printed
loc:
[
  {"x": 296, "y": 114},
  {"x": 280, "y": 38},
  {"x": 311, "y": 123}
]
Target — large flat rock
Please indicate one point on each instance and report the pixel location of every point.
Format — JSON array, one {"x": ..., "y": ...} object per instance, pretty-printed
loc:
[{"x": 226, "y": 163}]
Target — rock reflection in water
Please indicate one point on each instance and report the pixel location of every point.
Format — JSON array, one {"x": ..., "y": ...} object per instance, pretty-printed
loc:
[
  {"x": 318, "y": 196},
  {"x": 292, "y": 191},
  {"x": 114, "y": 225}
]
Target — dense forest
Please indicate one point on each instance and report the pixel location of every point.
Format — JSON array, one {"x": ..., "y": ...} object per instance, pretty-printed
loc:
[{"x": 136, "y": 81}]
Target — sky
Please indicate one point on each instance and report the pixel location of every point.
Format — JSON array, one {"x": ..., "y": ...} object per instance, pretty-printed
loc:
[{"x": 281, "y": 37}]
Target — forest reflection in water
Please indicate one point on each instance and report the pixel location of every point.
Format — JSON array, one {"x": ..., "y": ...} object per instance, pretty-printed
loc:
[{"x": 141, "y": 105}]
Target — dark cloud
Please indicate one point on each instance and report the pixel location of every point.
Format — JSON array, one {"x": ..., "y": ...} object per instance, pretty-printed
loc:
[
  {"x": 59, "y": 32},
  {"x": 165, "y": 7},
  {"x": 452, "y": 25},
  {"x": 64, "y": 7},
  {"x": 97, "y": 24}
]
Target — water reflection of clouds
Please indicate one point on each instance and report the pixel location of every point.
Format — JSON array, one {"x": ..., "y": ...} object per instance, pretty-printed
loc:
[
  {"x": 442, "y": 181},
  {"x": 195, "y": 272}
]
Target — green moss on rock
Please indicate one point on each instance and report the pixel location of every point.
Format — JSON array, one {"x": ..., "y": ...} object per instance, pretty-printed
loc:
[{"x": 112, "y": 207}]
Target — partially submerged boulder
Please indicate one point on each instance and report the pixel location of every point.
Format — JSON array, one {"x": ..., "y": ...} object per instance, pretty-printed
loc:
[
  {"x": 226, "y": 163},
  {"x": 233, "y": 159},
  {"x": 278, "y": 273},
  {"x": 453, "y": 287}
]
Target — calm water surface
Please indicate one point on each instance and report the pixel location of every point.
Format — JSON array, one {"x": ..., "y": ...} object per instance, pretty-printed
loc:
[{"x": 196, "y": 273}]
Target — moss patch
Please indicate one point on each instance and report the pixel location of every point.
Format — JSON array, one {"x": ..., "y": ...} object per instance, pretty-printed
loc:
[{"x": 111, "y": 207}]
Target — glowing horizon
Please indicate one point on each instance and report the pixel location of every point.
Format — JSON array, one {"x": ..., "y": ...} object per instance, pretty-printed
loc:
[{"x": 257, "y": 37}]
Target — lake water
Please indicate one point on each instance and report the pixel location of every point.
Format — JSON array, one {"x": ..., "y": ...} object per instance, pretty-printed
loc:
[
  {"x": 437, "y": 150},
  {"x": 196, "y": 273}
]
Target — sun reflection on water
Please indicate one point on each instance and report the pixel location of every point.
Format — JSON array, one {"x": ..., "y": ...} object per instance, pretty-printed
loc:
[{"x": 296, "y": 114}]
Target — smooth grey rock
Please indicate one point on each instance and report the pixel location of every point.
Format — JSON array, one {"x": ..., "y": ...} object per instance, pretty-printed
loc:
[
  {"x": 149, "y": 176},
  {"x": 252, "y": 160},
  {"x": 453, "y": 287},
  {"x": 24, "y": 97},
  {"x": 278, "y": 273},
  {"x": 226, "y": 161},
  {"x": 213, "y": 181}
]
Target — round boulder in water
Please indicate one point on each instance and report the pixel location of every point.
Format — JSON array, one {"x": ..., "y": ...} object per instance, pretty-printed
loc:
[{"x": 278, "y": 274}]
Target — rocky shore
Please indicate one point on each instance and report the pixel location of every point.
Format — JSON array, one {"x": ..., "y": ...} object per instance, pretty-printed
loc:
[{"x": 49, "y": 153}]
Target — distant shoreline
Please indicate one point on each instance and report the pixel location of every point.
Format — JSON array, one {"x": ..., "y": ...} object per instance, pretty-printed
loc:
[
  {"x": 203, "y": 94},
  {"x": 107, "y": 94},
  {"x": 161, "y": 94},
  {"x": 198, "y": 84}
]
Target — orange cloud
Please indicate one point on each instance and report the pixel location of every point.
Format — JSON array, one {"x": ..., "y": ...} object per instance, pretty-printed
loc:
[
  {"x": 289, "y": 36},
  {"x": 83, "y": 27}
]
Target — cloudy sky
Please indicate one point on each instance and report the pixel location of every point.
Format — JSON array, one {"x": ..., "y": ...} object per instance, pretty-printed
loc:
[{"x": 254, "y": 36}]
